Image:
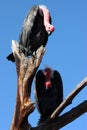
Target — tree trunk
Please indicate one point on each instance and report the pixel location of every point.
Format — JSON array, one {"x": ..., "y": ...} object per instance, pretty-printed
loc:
[{"x": 26, "y": 69}]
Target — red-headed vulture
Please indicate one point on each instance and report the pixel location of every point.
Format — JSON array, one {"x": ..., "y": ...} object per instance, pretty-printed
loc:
[
  {"x": 48, "y": 92},
  {"x": 35, "y": 31}
]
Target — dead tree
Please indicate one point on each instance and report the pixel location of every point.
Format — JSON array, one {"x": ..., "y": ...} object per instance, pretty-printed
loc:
[{"x": 26, "y": 69}]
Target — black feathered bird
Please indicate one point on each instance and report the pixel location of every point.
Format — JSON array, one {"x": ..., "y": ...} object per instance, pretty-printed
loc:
[
  {"x": 48, "y": 92},
  {"x": 36, "y": 28}
]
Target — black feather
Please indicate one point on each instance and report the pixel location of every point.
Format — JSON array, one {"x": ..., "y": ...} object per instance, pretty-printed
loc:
[
  {"x": 39, "y": 87},
  {"x": 33, "y": 33},
  {"x": 57, "y": 82},
  {"x": 48, "y": 100}
]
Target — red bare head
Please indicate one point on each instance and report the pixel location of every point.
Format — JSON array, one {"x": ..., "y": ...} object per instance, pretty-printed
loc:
[
  {"x": 48, "y": 26},
  {"x": 48, "y": 74}
]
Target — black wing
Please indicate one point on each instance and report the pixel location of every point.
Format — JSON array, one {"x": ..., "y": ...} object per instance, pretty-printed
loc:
[
  {"x": 33, "y": 33},
  {"x": 57, "y": 82},
  {"x": 39, "y": 87}
]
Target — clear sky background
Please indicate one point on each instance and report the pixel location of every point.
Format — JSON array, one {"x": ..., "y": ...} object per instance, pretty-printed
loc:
[{"x": 66, "y": 51}]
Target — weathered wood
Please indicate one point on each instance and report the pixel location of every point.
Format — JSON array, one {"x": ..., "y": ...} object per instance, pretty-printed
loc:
[
  {"x": 68, "y": 100},
  {"x": 26, "y": 69}
]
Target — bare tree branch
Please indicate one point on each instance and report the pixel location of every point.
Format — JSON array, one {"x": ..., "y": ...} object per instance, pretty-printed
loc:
[
  {"x": 26, "y": 69},
  {"x": 65, "y": 118},
  {"x": 69, "y": 98}
]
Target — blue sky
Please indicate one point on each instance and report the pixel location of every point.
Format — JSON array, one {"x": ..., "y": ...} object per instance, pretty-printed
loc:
[{"x": 66, "y": 51}]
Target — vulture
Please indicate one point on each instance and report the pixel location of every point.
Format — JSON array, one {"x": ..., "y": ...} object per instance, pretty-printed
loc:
[
  {"x": 35, "y": 31},
  {"x": 48, "y": 92}
]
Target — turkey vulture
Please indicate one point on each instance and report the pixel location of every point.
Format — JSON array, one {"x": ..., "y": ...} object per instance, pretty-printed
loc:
[
  {"x": 35, "y": 31},
  {"x": 48, "y": 92}
]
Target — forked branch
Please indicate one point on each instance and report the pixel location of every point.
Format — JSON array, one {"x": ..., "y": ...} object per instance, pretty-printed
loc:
[
  {"x": 64, "y": 119},
  {"x": 26, "y": 69},
  {"x": 69, "y": 98}
]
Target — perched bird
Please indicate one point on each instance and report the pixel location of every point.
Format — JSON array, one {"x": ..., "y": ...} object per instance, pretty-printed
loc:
[
  {"x": 48, "y": 92},
  {"x": 35, "y": 31}
]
